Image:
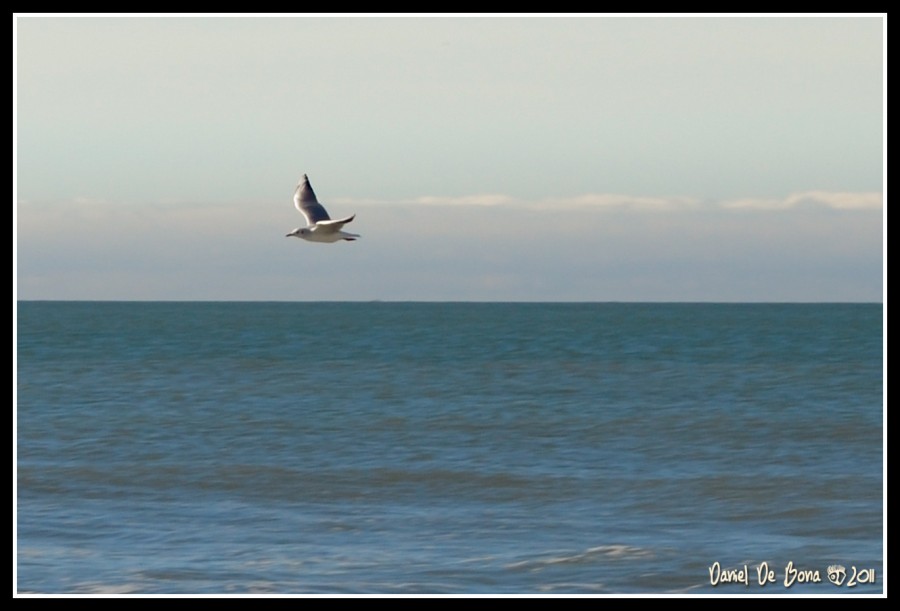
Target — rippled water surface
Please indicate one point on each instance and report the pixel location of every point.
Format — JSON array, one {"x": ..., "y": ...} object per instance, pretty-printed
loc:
[{"x": 447, "y": 448}]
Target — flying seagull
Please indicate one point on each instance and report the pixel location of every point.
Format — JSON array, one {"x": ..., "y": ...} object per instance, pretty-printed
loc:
[{"x": 320, "y": 226}]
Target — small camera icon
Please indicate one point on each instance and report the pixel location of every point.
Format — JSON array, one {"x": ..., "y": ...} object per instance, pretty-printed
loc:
[{"x": 837, "y": 574}]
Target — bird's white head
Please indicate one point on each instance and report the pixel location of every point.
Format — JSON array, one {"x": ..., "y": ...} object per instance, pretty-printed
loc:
[{"x": 299, "y": 232}]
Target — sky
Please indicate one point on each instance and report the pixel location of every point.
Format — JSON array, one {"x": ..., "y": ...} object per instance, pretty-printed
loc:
[{"x": 532, "y": 158}]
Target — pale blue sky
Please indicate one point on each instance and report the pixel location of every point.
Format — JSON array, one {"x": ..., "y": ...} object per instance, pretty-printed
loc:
[{"x": 540, "y": 158}]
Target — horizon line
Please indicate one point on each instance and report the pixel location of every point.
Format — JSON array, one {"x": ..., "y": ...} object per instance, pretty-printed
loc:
[{"x": 463, "y": 301}]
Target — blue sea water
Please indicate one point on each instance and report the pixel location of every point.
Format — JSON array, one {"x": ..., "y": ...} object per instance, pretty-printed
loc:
[{"x": 448, "y": 448}]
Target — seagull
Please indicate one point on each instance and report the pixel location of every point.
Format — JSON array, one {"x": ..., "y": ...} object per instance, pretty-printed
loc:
[{"x": 320, "y": 226}]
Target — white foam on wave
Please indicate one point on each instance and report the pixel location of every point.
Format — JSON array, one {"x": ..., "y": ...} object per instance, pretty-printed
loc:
[{"x": 619, "y": 552}]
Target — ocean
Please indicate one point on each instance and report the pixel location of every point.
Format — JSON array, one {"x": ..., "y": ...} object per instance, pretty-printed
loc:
[{"x": 449, "y": 448}]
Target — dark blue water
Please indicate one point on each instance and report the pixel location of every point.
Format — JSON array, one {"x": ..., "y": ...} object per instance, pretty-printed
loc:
[{"x": 448, "y": 448}]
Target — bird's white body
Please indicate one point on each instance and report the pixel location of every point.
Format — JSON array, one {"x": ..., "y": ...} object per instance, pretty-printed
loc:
[
  {"x": 320, "y": 227},
  {"x": 323, "y": 232}
]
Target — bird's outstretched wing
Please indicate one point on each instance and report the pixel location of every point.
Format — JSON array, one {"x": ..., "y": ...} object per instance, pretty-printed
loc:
[
  {"x": 330, "y": 226},
  {"x": 305, "y": 201}
]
